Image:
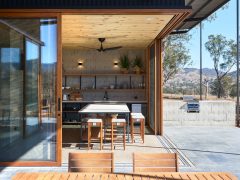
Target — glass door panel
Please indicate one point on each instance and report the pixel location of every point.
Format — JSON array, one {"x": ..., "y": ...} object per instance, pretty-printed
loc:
[
  {"x": 48, "y": 89},
  {"x": 11, "y": 88},
  {"x": 152, "y": 87},
  {"x": 31, "y": 81},
  {"x": 28, "y": 60}
]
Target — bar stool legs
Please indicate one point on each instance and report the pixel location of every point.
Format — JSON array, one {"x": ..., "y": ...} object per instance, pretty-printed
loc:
[
  {"x": 132, "y": 129},
  {"x": 95, "y": 123},
  {"x": 138, "y": 117},
  {"x": 142, "y": 128},
  {"x": 118, "y": 123}
]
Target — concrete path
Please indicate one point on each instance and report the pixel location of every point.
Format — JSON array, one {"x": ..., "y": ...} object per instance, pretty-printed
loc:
[
  {"x": 208, "y": 148},
  {"x": 151, "y": 144}
]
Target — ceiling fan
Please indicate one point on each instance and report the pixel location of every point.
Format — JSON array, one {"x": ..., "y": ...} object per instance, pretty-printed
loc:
[{"x": 101, "y": 48}]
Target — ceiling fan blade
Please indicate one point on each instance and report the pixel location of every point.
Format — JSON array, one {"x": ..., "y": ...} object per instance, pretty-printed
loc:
[
  {"x": 112, "y": 48},
  {"x": 86, "y": 47},
  {"x": 115, "y": 37},
  {"x": 97, "y": 37}
]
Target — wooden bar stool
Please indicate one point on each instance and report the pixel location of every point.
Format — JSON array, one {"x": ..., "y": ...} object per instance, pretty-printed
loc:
[
  {"x": 137, "y": 117},
  {"x": 118, "y": 123},
  {"x": 94, "y": 123}
]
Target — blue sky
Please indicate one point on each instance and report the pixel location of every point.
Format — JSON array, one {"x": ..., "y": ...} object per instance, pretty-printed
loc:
[
  {"x": 49, "y": 50},
  {"x": 224, "y": 24}
]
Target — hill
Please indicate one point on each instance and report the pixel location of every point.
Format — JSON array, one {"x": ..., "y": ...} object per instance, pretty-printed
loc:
[{"x": 192, "y": 76}]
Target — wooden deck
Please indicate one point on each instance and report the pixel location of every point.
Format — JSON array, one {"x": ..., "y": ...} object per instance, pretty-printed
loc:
[{"x": 109, "y": 176}]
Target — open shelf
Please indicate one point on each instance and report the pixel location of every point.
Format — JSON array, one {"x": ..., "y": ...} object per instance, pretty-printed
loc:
[
  {"x": 91, "y": 90},
  {"x": 80, "y": 82},
  {"x": 93, "y": 86},
  {"x": 102, "y": 74}
]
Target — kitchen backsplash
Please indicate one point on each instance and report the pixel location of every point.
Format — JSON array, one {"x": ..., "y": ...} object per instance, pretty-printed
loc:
[{"x": 95, "y": 62}]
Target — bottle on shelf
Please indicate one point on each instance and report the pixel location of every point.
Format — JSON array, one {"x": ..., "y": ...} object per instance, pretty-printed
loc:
[{"x": 105, "y": 97}]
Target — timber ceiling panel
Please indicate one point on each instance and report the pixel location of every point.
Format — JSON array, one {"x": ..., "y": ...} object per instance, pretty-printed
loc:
[{"x": 130, "y": 31}]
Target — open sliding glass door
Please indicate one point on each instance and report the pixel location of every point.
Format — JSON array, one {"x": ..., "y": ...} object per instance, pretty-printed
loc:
[
  {"x": 31, "y": 120},
  {"x": 152, "y": 86},
  {"x": 29, "y": 123}
]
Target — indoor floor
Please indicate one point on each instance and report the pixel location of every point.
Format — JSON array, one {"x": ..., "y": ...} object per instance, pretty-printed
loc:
[{"x": 71, "y": 144}]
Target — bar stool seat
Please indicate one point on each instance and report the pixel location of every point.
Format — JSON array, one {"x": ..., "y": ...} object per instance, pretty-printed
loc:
[
  {"x": 118, "y": 123},
  {"x": 94, "y": 120},
  {"x": 138, "y": 117},
  {"x": 94, "y": 123},
  {"x": 118, "y": 120}
]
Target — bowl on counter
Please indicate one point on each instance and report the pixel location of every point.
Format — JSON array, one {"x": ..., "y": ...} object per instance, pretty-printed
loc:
[{"x": 112, "y": 86}]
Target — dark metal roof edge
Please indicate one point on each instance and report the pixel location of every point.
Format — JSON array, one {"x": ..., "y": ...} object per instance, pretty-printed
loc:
[
  {"x": 101, "y": 8},
  {"x": 91, "y": 4},
  {"x": 204, "y": 17},
  {"x": 182, "y": 31}
]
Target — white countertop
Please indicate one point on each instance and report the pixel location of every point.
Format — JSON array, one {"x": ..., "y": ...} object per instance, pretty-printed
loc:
[
  {"x": 142, "y": 101},
  {"x": 105, "y": 108}
]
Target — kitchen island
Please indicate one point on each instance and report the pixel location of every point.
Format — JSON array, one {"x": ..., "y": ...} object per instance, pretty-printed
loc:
[
  {"x": 72, "y": 118},
  {"x": 71, "y": 108}
]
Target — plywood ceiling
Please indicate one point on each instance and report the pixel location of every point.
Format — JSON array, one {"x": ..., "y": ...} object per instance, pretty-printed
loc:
[{"x": 129, "y": 31}]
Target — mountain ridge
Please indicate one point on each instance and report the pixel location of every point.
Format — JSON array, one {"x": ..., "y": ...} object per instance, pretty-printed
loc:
[{"x": 192, "y": 75}]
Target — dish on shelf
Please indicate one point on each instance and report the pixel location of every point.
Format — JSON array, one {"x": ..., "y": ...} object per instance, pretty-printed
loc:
[
  {"x": 112, "y": 86},
  {"x": 78, "y": 99}
]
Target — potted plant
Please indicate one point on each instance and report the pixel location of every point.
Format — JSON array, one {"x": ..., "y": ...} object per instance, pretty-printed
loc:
[
  {"x": 124, "y": 63},
  {"x": 137, "y": 64}
]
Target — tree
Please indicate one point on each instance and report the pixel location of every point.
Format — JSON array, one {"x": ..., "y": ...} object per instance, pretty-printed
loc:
[
  {"x": 176, "y": 55},
  {"x": 223, "y": 53},
  {"x": 226, "y": 86},
  {"x": 233, "y": 91},
  {"x": 213, "y": 16}
]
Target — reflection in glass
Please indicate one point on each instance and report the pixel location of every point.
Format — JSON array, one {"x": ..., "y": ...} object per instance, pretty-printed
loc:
[
  {"x": 28, "y": 57},
  {"x": 11, "y": 89},
  {"x": 31, "y": 121}
]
